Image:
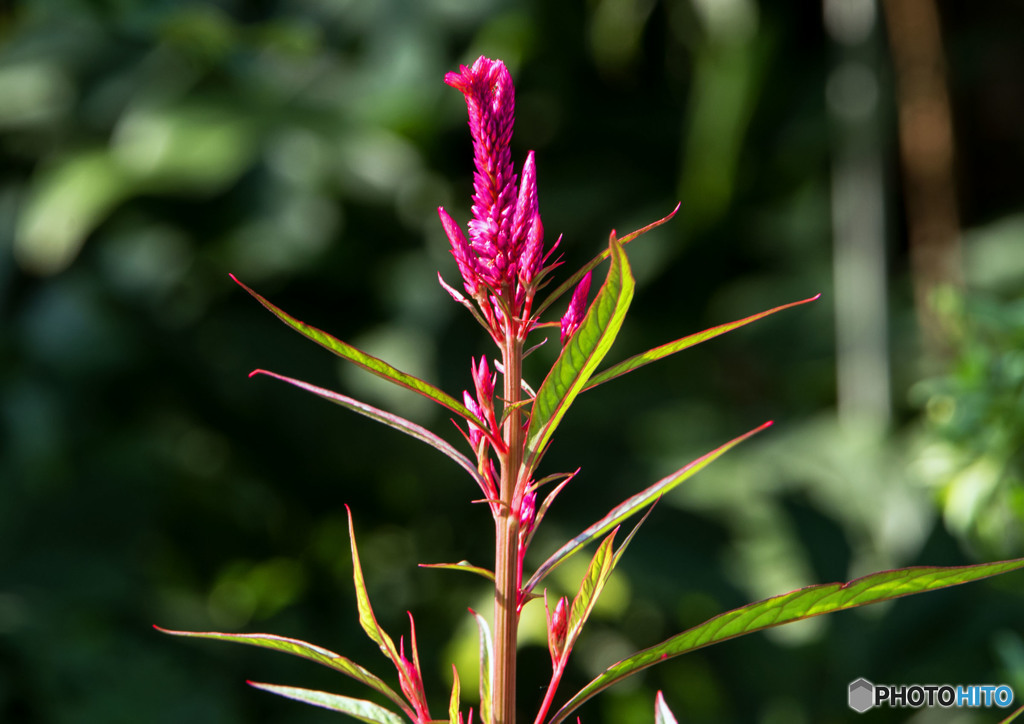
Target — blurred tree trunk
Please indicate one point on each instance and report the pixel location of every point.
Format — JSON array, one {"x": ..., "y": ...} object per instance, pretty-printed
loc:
[{"x": 927, "y": 156}]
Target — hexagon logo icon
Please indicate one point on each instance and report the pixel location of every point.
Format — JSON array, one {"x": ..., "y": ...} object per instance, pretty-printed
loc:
[{"x": 862, "y": 695}]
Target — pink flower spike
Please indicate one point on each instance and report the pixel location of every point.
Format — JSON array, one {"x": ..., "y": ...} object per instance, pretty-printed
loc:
[
  {"x": 577, "y": 308},
  {"x": 464, "y": 255}
]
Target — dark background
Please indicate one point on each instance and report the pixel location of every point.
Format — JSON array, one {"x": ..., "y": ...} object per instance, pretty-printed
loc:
[{"x": 150, "y": 148}]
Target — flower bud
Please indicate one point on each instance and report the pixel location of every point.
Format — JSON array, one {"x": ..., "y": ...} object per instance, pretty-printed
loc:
[
  {"x": 577, "y": 308},
  {"x": 558, "y": 625}
]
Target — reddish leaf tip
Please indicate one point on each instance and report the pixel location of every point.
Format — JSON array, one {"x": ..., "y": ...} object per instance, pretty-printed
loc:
[{"x": 256, "y": 372}]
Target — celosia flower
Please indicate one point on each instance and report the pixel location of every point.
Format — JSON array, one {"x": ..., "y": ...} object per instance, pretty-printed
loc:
[
  {"x": 503, "y": 254},
  {"x": 577, "y": 308}
]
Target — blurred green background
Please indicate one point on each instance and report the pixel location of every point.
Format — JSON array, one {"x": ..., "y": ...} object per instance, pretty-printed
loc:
[{"x": 150, "y": 147}]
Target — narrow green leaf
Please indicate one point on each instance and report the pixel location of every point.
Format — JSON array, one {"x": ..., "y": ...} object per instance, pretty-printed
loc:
[
  {"x": 1013, "y": 717},
  {"x": 631, "y": 506},
  {"x": 359, "y": 709},
  {"x": 662, "y": 714},
  {"x": 600, "y": 568},
  {"x": 788, "y": 607},
  {"x": 454, "y": 701},
  {"x": 572, "y": 281},
  {"x": 682, "y": 343},
  {"x": 306, "y": 651},
  {"x": 486, "y": 667},
  {"x": 394, "y": 421},
  {"x": 368, "y": 362},
  {"x": 366, "y": 618},
  {"x": 462, "y": 566},
  {"x": 581, "y": 356}
]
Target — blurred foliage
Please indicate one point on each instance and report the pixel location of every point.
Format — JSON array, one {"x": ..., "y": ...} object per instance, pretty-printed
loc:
[{"x": 149, "y": 148}]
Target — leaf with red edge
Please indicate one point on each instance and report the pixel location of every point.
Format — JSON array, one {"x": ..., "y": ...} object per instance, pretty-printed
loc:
[
  {"x": 391, "y": 420},
  {"x": 454, "y": 700},
  {"x": 461, "y": 566},
  {"x": 572, "y": 281},
  {"x": 581, "y": 355},
  {"x": 670, "y": 348},
  {"x": 786, "y": 608},
  {"x": 486, "y": 667},
  {"x": 366, "y": 618},
  {"x": 361, "y": 709},
  {"x": 632, "y": 506},
  {"x": 304, "y": 650},
  {"x": 368, "y": 362},
  {"x": 600, "y": 568}
]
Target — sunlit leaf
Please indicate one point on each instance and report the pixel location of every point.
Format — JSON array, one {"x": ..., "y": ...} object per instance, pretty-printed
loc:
[
  {"x": 1013, "y": 717},
  {"x": 366, "y": 618},
  {"x": 462, "y": 566},
  {"x": 580, "y": 356},
  {"x": 454, "y": 701},
  {"x": 368, "y": 362},
  {"x": 679, "y": 345},
  {"x": 391, "y": 420},
  {"x": 360, "y": 709},
  {"x": 793, "y": 606},
  {"x": 486, "y": 667},
  {"x": 600, "y": 568},
  {"x": 304, "y": 650},
  {"x": 572, "y": 281},
  {"x": 631, "y": 506}
]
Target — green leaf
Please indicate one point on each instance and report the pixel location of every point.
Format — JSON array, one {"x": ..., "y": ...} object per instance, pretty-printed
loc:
[
  {"x": 366, "y": 618},
  {"x": 662, "y": 714},
  {"x": 486, "y": 667},
  {"x": 1013, "y": 717},
  {"x": 601, "y": 566},
  {"x": 454, "y": 701},
  {"x": 462, "y": 566},
  {"x": 580, "y": 356},
  {"x": 793, "y": 606},
  {"x": 368, "y": 362},
  {"x": 631, "y": 506},
  {"x": 394, "y": 421},
  {"x": 306, "y": 651},
  {"x": 359, "y": 709},
  {"x": 682, "y": 343},
  {"x": 572, "y": 281}
]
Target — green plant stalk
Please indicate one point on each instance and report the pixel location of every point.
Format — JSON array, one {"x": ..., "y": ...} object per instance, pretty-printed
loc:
[{"x": 506, "y": 581}]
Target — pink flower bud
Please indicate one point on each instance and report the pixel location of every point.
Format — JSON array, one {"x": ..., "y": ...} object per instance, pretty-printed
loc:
[
  {"x": 577, "y": 308},
  {"x": 527, "y": 514},
  {"x": 558, "y": 625}
]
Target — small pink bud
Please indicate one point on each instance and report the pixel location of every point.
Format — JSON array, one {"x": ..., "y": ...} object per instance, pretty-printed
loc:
[
  {"x": 527, "y": 514},
  {"x": 577, "y": 308},
  {"x": 476, "y": 434},
  {"x": 558, "y": 625}
]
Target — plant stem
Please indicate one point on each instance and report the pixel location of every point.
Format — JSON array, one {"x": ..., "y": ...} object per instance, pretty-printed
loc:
[{"x": 506, "y": 619}]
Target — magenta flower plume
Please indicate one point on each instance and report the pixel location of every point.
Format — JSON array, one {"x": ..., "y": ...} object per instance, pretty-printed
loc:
[
  {"x": 502, "y": 256},
  {"x": 577, "y": 308}
]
